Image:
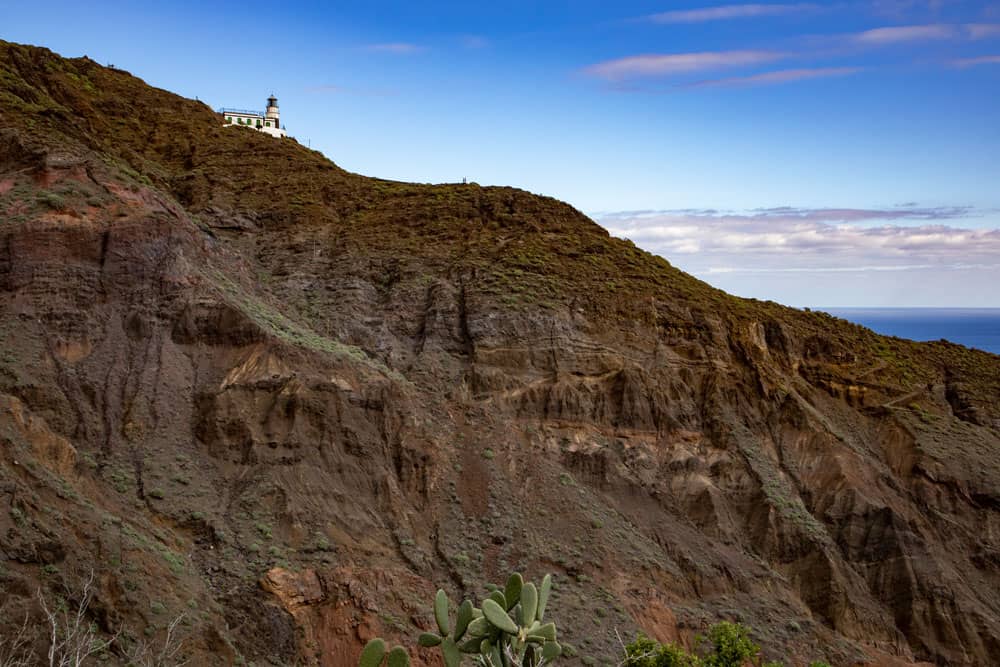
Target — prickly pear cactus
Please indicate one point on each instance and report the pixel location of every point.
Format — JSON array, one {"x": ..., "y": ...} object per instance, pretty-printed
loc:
[
  {"x": 374, "y": 653},
  {"x": 507, "y": 631}
]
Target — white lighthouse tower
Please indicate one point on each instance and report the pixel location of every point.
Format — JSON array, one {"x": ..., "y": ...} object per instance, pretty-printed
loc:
[
  {"x": 272, "y": 112},
  {"x": 272, "y": 118}
]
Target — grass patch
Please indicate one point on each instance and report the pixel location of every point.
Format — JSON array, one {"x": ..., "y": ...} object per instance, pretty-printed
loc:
[
  {"x": 272, "y": 321},
  {"x": 51, "y": 201}
]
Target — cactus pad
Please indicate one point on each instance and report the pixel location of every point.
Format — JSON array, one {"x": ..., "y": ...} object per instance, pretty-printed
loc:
[
  {"x": 372, "y": 654},
  {"x": 497, "y": 616},
  {"x": 398, "y": 657}
]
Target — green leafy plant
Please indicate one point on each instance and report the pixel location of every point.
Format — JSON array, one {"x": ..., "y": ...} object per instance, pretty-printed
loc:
[
  {"x": 644, "y": 652},
  {"x": 374, "y": 654},
  {"x": 729, "y": 645},
  {"x": 507, "y": 630}
]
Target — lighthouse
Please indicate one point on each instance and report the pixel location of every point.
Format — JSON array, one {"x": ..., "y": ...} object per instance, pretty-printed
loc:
[
  {"x": 272, "y": 112},
  {"x": 268, "y": 122}
]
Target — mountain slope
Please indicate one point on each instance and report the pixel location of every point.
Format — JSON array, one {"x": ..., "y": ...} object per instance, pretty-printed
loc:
[{"x": 288, "y": 401}]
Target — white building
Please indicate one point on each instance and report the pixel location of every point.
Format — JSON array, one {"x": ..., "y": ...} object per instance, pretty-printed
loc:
[{"x": 268, "y": 122}]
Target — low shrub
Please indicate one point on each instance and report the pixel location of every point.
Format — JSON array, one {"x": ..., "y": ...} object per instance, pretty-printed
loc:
[{"x": 726, "y": 645}]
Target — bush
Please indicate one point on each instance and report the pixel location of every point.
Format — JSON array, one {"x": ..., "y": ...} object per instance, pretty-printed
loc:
[
  {"x": 52, "y": 201},
  {"x": 731, "y": 645},
  {"x": 644, "y": 652}
]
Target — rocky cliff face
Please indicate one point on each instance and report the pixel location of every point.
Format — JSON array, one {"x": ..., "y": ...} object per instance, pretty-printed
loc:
[{"x": 287, "y": 401}]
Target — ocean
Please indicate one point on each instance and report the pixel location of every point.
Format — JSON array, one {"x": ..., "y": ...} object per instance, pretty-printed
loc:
[{"x": 972, "y": 327}]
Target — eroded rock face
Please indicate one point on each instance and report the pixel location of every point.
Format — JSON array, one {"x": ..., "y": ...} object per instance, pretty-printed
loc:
[{"x": 301, "y": 408}]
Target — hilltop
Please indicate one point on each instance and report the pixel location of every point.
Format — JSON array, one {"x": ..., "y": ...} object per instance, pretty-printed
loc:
[{"x": 243, "y": 384}]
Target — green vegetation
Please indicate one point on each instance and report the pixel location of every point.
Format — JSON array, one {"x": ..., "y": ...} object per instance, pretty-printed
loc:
[
  {"x": 52, "y": 201},
  {"x": 507, "y": 630},
  {"x": 924, "y": 416},
  {"x": 779, "y": 493},
  {"x": 726, "y": 645},
  {"x": 120, "y": 480},
  {"x": 644, "y": 652},
  {"x": 731, "y": 646},
  {"x": 374, "y": 653},
  {"x": 273, "y": 322}
]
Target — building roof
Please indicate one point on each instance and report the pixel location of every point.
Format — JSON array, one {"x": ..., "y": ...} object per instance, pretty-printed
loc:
[{"x": 245, "y": 112}]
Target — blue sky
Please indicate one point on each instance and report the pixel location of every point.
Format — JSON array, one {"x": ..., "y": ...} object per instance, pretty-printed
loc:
[{"x": 838, "y": 154}]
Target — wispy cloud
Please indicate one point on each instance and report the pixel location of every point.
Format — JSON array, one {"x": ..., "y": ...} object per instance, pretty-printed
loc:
[
  {"x": 396, "y": 48},
  {"x": 777, "y": 77},
  {"x": 983, "y": 30},
  {"x": 910, "y": 33},
  {"x": 658, "y": 65},
  {"x": 858, "y": 268},
  {"x": 900, "y": 9},
  {"x": 475, "y": 41},
  {"x": 728, "y": 12},
  {"x": 804, "y": 240},
  {"x": 792, "y": 214},
  {"x": 326, "y": 88},
  {"x": 633, "y": 73},
  {"x": 973, "y": 62},
  {"x": 926, "y": 33}
]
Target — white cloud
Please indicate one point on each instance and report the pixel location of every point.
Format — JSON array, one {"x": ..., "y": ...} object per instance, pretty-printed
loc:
[
  {"x": 978, "y": 60},
  {"x": 658, "y": 65},
  {"x": 776, "y": 77},
  {"x": 825, "y": 240},
  {"x": 907, "y": 33},
  {"x": 475, "y": 42},
  {"x": 903, "y": 34},
  {"x": 395, "y": 48},
  {"x": 983, "y": 30},
  {"x": 897, "y": 256},
  {"x": 727, "y": 12},
  {"x": 633, "y": 73}
]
